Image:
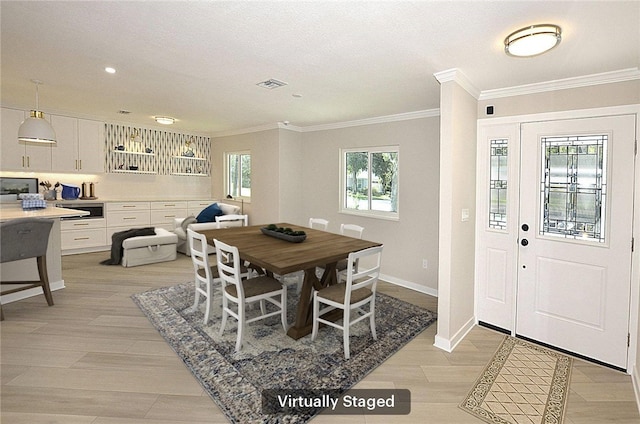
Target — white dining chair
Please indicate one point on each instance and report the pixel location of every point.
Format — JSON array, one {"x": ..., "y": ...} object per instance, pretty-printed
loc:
[
  {"x": 205, "y": 274},
  {"x": 233, "y": 220},
  {"x": 349, "y": 230},
  {"x": 244, "y": 292},
  {"x": 318, "y": 224},
  {"x": 358, "y": 291}
]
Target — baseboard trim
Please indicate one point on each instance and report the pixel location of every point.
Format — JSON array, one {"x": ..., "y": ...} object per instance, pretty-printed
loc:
[
  {"x": 448, "y": 345},
  {"x": 635, "y": 382},
  {"x": 409, "y": 285}
]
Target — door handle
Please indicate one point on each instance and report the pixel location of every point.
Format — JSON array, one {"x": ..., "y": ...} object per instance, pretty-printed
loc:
[{"x": 524, "y": 242}]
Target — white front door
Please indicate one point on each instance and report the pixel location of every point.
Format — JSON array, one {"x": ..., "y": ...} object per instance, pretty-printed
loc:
[
  {"x": 565, "y": 187},
  {"x": 575, "y": 235}
]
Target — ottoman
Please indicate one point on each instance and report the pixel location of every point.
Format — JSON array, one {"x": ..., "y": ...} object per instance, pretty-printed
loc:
[{"x": 145, "y": 250}]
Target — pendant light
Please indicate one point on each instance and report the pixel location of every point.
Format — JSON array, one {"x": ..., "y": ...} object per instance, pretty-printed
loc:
[{"x": 36, "y": 129}]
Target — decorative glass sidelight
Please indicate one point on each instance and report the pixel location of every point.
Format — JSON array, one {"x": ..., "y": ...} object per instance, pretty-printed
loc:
[
  {"x": 498, "y": 185},
  {"x": 573, "y": 190}
]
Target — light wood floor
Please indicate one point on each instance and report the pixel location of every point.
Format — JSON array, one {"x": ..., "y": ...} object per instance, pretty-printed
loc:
[{"x": 94, "y": 358}]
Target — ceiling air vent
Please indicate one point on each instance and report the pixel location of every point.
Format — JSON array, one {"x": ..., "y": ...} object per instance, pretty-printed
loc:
[{"x": 271, "y": 84}]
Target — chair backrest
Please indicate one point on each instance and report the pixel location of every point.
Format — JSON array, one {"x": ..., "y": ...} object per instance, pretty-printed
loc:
[
  {"x": 318, "y": 223},
  {"x": 24, "y": 238},
  {"x": 351, "y": 230},
  {"x": 228, "y": 259},
  {"x": 363, "y": 276},
  {"x": 199, "y": 254},
  {"x": 233, "y": 220}
]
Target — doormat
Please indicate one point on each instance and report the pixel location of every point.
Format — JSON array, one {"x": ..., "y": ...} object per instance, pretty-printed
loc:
[
  {"x": 523, "y": 383},
  {"x": 270, "y": 360}
]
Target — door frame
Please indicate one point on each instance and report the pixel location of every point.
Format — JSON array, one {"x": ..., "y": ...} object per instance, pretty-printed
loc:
[{"x": 634, "y": 307}]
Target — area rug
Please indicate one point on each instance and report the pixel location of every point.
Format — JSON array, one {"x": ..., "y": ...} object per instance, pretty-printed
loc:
[
  {"x": 523, "y": 383},
  {"x": 269, "y": 359}
]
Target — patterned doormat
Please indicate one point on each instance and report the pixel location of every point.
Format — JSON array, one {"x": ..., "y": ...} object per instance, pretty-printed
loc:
[
  {"x": 270, "y": 360},
  {"x": 523, "y": 383}
]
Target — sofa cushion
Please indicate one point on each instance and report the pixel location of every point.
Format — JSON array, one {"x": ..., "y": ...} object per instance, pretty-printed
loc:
[
  {"x": 185, "y": 222},
  {"x": 209, "y": 213},
  {"x": 229, "y": 209}
]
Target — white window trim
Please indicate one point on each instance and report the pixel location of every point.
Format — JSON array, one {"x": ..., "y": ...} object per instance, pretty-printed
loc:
[
  {"x": 226, "y": 173},
  {"x": 390, "y": 216}
]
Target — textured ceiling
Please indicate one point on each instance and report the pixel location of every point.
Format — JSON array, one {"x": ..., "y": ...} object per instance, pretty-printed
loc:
[{"x": 200, "y": 61}]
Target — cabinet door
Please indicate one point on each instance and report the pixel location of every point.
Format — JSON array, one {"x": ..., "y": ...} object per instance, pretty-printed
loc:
[
  {"x": 13, "y": 153},
  {"x": 64, "y": 154},
  {"x": 91, "y": 146}
]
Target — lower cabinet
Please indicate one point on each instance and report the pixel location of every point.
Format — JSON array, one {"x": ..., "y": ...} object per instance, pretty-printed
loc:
[{"x": 83, "y": 235}]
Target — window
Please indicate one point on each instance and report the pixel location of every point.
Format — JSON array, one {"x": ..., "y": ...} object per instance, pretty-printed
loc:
[
  {"x": 369, "y": 181},
  {"x": 573, "y": 187},
  {"x": 238, "y": 174},
  {"x": 498, "y": 184}
]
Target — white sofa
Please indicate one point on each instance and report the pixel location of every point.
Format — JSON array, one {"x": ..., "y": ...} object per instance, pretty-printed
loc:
[{"x": 181, "y": 230}]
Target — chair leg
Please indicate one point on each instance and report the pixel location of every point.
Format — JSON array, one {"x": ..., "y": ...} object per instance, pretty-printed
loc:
[
  {"x": 316, "y": 312},
  {"x": 241, "y": 319},
  {"x": 208, "y": 308},
  {"x": 283, "y": 299},
  {"x": 196, "y": 299},
  {"x": 44, "y": 279},
  {"x": 346, "y": 325},
  {"x": 225, "y": 314},
  {"x": 372, "y": 319}
]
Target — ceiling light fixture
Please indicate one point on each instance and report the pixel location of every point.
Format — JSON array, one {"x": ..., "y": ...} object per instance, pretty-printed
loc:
[
  {"x": 532, "y": 40},
  {"x": 164, "y": 120},
  {"x": 36, "y": 129},
  {"x": 110, "y": 70}
]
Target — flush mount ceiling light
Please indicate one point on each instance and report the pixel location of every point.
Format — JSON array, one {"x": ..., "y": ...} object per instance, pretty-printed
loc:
[
  {"x": 164, "y": 120},
  {"x": 36, "y": 129},
  {"x": 532, "y": 40}
]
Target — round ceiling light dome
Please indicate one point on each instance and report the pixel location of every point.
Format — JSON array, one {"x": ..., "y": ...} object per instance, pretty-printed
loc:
[{"x": 532, "y": 40}]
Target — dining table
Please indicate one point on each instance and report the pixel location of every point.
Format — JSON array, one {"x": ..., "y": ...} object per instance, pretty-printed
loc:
[{"x": 281, "y": 257}]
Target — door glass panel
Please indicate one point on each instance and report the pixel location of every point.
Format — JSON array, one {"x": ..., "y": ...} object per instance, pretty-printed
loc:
[
  {"x": 573, "y": 189},
  {"x": 498, "y": 185}
]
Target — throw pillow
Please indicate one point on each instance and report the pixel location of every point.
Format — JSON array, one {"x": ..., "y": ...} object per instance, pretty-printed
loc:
[
  {"x": 188, "y": 220},
  {"x": 209, "y": 213}
]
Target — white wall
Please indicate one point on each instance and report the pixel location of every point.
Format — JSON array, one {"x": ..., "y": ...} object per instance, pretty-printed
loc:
[
  {"x": 457, "y": 193},
  {"x": 407, "y": 241}
]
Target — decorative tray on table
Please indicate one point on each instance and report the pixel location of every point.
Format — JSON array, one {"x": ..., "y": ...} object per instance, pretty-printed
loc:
[{"x": 284, "y": 233}]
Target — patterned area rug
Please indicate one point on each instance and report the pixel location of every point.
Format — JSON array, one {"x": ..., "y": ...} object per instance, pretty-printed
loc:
[
  {"x": 269, "y": 358},
  {"x": 523, "y": 383}
]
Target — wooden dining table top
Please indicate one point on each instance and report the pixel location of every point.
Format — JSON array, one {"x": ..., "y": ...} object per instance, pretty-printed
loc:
[{"x": 283, "y": 257}]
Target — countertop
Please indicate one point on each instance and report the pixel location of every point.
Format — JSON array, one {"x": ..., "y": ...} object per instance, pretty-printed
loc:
[{"x": 8, "y": 212}]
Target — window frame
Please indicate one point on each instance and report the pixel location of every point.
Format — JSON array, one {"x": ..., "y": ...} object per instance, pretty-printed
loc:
[
  {"x": 227, "y": 176},
  {"x": 393, "y": 216}
]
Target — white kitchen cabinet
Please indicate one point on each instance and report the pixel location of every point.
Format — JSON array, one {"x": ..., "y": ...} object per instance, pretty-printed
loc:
[
  {"x": 123, "y": 216},
  {"x": 83, "y": 235},
  {"x": 21, "y": 156},
  {"x": 80, "y": 146},
  {"x": 163, "y": 214}
]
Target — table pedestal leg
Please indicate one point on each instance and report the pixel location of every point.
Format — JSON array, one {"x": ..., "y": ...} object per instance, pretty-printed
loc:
[{"x": 304, "y": 314}]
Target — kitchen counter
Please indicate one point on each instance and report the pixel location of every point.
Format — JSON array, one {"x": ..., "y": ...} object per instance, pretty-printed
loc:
[
  {"x": 8, "y": 212},
  {"x": 26, "y": 269}
]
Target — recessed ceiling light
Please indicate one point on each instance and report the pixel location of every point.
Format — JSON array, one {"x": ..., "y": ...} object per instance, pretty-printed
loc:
[
  {"x": 110, "y": 70},
  {"x": 532, "y": 40},
  {"x": 164, "y": 120}
]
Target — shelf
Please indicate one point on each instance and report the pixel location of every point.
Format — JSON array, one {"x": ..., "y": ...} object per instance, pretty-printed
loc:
[
  {"x": 124, "y": 152},
  {"x": 189, "y": 174},
  {"x": 188, "y": 157},
  {"x": 127, "y": 171}
]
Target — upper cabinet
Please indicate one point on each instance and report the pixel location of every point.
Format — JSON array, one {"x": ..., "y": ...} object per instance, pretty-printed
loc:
[
  {"x": 80, "y": 146},
  {"x": 19, "y": 156}
]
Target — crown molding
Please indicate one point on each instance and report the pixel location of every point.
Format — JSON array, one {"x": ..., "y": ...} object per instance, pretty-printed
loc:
[
  {"x": 461, "y": 79},
  {"x": 562, "y": 84},
  {"x": 430, "y": 113}
]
